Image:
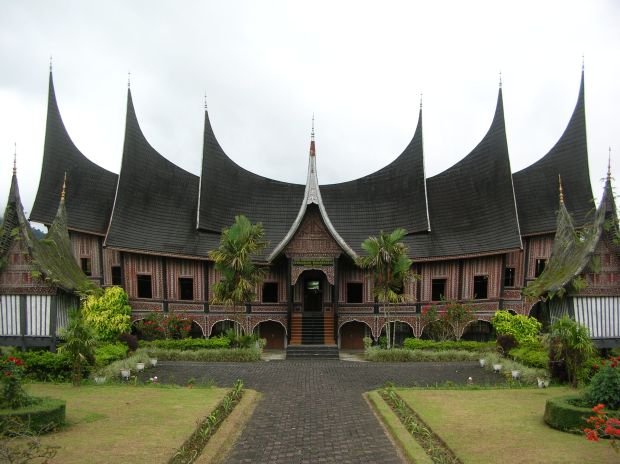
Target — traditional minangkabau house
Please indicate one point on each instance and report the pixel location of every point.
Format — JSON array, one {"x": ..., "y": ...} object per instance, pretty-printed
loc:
[
  {"x": 40, "y": 280},
  {"x": 477, "y": 232}
]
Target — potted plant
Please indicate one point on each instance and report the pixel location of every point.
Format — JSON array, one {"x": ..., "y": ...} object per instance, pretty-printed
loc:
[
  {"x": 125, "y": 371},
  {"x": 516, "y": 374},
  {"x": 153, "y": 362},
  {"x": 139, "y": 367},
  {"x": 497, "y": 368},
  {"x": 99, "y": 378},
  {"x": 482, "y": 362}
]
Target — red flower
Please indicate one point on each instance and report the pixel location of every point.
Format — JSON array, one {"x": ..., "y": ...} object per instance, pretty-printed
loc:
[
  {"x": 598, "y": 408},
  {"x": 591, "y": 435}
]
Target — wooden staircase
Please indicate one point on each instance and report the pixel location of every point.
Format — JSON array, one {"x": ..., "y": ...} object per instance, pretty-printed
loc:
[
  {"x": 296, "y": 330},
  {"x": 328, "y": 329}
]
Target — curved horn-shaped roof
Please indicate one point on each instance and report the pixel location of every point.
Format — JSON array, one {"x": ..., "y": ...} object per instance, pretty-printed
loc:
[
  {"x": 472, "y": 204},
  {"x": 390, "y": 198},
  {"x": 155, "y": 206},
  {"x": 91, "y": 193},
  {"x": 227, "y": 190},
  {"x": 536, "y": 201}
]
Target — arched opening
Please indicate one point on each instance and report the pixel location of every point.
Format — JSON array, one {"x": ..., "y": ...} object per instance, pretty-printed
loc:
[
  {"x": 352, "y": 335},
  {"x": 273, "y": 332},
  {"x": 195, "y": 331},
  {"x": 479, "y": 331},
  {"x": 399, "y": 331},
  {"x": 134, "y": 328},
  {"x": 220, "y": 327},
  {"x": 540, "y": 311}
]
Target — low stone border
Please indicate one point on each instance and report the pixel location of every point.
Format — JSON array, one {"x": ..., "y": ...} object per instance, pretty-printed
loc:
[
  {"x": 434, "y": 446},
  {"x": 193, "y": 446},
  {"x": 41, "y": 417},
  {"x": 562, "y": 415}
]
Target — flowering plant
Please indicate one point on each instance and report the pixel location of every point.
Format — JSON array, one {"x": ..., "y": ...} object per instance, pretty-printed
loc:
[
  {"x": 13, "y": 394},
  {"x": 605, "y": 384},
  {"x": 603, "y": 426}
]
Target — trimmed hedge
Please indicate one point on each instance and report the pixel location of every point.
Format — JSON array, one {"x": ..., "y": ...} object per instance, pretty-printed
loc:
[
  {"x": 531, "y": 357},
  {"x": 110, "y": 352},
  {"x": 42, "y": 417},
  {"x": 47, "y": 366},
  {"x": 213, "y": 355},
  {"x": 189, "y": 344},
  {"x": 462, "y": 345},
  {"x": 408, "y": 355},
  {"x": 562, "y": 413}
]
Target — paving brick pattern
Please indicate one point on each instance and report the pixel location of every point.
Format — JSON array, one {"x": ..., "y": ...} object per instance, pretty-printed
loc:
[{"x": 313, "y": 411}]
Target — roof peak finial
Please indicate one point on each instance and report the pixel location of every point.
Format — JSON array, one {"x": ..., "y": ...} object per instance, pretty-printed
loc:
[
  {"x": 205, "y": 100},
  {"x": 583, "y": 62},
  {"x": 561, "y": 191},
  {"x": 64, "y": 188},
  {"x": 51, "y": 63},
  {"x": 312, "y": 132},
  {"x": 129, "y": 79},
  {"x": 500, "y": 78},
  {"x": 15, "y": 160},
  {"x": 609, "y": 165},
  {"x": 421, "y": 100}
]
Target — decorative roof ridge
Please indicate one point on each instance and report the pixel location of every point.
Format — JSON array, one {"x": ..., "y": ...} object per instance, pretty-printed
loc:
[{"x": 312, "y": 195}]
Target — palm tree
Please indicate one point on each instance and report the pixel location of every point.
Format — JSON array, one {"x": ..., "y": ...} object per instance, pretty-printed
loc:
[
  {"x": 79, "y": 344},
  {"x": 570, "y": 342},
  {"x": 233, "y": 259},
  {"x": 387, "y": 258}
]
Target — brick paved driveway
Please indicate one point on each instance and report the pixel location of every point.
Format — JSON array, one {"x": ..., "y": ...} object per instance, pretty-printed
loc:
[{"x": 313, "y": 411}]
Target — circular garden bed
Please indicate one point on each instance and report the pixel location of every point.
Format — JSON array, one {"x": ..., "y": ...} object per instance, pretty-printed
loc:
[
  {"x": 569, "y": 414},
  {"x": 43, "y": 416}
]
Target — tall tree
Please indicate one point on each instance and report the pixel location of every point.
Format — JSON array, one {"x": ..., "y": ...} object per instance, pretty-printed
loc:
[
  {"x": 239, "y": 244},
  {"x": 386, "y": 256}
]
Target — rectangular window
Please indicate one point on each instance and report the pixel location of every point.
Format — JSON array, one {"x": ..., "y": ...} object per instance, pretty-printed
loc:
[
  {"x": 438, "y": 287},
  {"x": 540, "y": 267},
  {"x": 186, "y": 288},
  {"x": 355, "y": 292},
  {"x": 509, "y": 277},
  {"x": 481, "y": 284},
  {"x": 145, "y": 289},
  {"x": 85, "y": 264},
  {"x": 117, "y": 276},
  {"x": 270, "y": 292}
]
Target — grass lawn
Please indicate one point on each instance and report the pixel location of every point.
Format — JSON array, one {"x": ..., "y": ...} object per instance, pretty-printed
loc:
[
  {"x": 115, "y": 423},
  {"x": 502, "y": 425}
]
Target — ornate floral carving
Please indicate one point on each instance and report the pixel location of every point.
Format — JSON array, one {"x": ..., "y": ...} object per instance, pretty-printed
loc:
[{"x": 312, "y": 238}]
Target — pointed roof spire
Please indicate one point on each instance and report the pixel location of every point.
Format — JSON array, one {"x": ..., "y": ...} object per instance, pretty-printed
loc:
[
  {"x": 50, "y": 63},
  {"x": 64, "y": 188},
  {"x": 129, "y": 79},
  {"x": 15, "y": 160},
  {"x": 420, "y": 101},
  {"x": 561, "y": 191},
  {"x": 500, "y": 78},
  {"x": 609, "y": 165},
  {"x": 312, "y": 146},
  {"x": 205, "y": 100}
]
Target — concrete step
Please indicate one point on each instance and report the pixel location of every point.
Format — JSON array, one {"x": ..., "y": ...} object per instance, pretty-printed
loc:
[{"x": 307, "y": 351}]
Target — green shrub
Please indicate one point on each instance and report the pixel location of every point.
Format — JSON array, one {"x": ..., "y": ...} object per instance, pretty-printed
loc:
[
  {"x": 605, "y": 385},
  {"x": 419, "y": 344},
  {"x": 110, "y": 352},
  {"x": 48, "y": 366},
  {"x": 406, "y": 355},
  {"x": 109, "y": 314},
  {"x": 177, "y": 327},
  {"x": 190, "y": 344},
  {"x": 44, "y": 416},
  {"x": 523, "y": 328},
  {"x": 568, "y": 413},
  {"x": 531, "y": 355},
  {"x": 212, "y": 355},
  {"x": 505, "y": 343},
  {"x": 130, "y": 340},
  {"x": 570, "y": 342}
]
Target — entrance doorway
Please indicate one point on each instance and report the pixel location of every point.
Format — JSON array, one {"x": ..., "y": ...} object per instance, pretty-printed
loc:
[{"x": 313, "y": 291}]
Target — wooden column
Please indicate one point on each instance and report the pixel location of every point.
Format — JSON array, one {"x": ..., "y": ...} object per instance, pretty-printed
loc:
[
  {"x": 206, "y": 286},
  {"x": 53, "y": 320},
  {"x": 164, "y": 274},
  {"x": 336, "y": 297},
  {"x": 289, "y": 297}
]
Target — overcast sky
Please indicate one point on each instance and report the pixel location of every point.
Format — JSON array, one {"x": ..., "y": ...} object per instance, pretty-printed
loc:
[{"x": 267, "y": 66}]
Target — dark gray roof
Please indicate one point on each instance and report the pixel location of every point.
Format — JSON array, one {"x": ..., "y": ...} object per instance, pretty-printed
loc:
[
  {"x": 471, "y": 204},
  {"x": 228, "y": 190},
  {"x": 393, "y": 197},
  {"x": 90, "y": 188},
  {"x": 155, "y": 206},
  {"x": 536, "y": 185}
]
